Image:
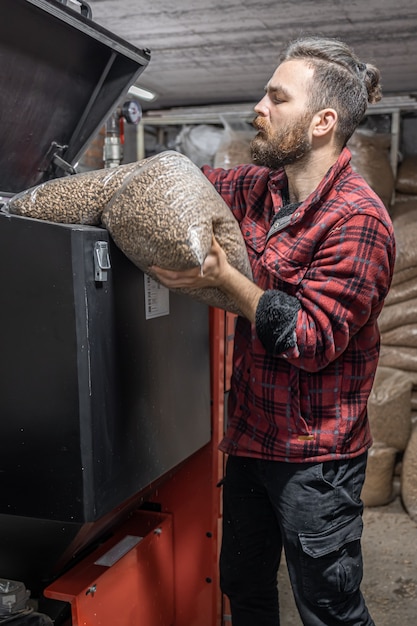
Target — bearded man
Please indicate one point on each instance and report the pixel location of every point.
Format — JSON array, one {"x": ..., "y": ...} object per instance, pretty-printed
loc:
[{"x": 322, "y": 251}]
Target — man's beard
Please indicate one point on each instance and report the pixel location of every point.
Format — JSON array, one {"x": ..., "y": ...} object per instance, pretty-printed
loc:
[{"x": 283, "y": 147}]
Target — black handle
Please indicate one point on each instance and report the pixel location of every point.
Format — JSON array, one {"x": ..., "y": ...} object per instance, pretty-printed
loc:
[{"x": 85, "y": 8}]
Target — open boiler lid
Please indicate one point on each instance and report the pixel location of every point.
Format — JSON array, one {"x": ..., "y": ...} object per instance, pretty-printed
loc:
[{"x": 62, "y": 76}]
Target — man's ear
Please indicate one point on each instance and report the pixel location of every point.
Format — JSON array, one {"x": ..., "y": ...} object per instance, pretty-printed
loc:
[{"x": 323, "y": 122}]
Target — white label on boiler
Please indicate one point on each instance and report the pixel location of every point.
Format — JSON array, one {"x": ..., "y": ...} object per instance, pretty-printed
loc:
[{"x": 156, "y": 298}]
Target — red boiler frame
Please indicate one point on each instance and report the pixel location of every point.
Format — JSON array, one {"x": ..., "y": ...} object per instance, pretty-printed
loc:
[{"x": 161, "y": 568}]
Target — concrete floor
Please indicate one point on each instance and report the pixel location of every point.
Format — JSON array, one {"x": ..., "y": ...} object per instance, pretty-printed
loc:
[{"x": 390, "y": 569}]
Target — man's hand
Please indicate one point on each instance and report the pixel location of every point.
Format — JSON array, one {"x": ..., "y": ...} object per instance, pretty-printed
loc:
[
  {"x": 216, "y": 271},
  {"x": 209, "y": 275}
]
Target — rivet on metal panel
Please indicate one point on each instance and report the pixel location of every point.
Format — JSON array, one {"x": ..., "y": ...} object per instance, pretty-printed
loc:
[
  {"x": 157, "y": 531},
  {"x": 91, "y": 590}
]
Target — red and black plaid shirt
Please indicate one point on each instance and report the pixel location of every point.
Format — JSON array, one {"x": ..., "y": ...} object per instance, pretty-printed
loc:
[{"x": 336, "y": 256}]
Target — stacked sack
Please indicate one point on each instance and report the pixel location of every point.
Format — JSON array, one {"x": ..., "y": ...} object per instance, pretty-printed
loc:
[
  {"x": 389, "y": 411},
  {"x": 371, "y": 159},
  {"x": 393, "y": 402},
  {"x": 392, "y": 424},
  {"x": 398, "y": 321}
]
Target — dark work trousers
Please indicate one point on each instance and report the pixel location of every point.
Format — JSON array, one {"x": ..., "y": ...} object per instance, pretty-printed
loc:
[{"x": 314, "y": 512}]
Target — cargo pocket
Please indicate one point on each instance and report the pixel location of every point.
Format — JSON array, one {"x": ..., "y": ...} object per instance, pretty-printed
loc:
[{"x": 331, "y": 563}]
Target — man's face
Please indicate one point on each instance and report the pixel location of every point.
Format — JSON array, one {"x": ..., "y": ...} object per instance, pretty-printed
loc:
[{"x": 283, "y": 119}]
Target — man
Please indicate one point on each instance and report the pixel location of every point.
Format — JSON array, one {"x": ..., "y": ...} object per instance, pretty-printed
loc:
[{"x": 322, "y": 251}]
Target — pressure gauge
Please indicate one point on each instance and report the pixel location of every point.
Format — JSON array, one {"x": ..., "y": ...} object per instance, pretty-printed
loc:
[{"x": 132, "y": 112}]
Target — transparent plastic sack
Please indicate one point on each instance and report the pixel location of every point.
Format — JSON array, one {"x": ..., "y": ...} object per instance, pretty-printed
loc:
[
  {"x": 199, "y": 143},
  {"x": 166, "y": 213},
  {"x": 234, "y": 148},
  {"x": 76, "y": 199}
]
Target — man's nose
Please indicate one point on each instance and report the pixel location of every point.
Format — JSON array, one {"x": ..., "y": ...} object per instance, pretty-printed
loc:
[{"x": 262, "y": 107}]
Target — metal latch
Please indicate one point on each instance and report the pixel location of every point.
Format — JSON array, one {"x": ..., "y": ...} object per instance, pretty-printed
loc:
[
  {"x": 54, "y": 158},
  {"x": 85, "y": 8},
  {"x": 101, "y": 261}
]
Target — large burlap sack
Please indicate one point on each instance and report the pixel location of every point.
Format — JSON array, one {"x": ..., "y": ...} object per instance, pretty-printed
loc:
[
  {"x": 378, "y": 488},
  {"x": 403, "y": 203},
  {"x": 409, "y": 476},
  {"x": 405, "y": 229},
  {"x": 405, "y": 336},
  {"x": 77, "y": 199},
  {"x": 398, "y": 357},
  {"x": 413, "y": 378},
  {"x": 407, "y": 175},
  {"x": 166, "y": 213},
  {"x": 370, "y": 158},
  {"x": 402, "y": 292},
  {"x": 398, "y": 314},
  {"x": 389, "y": 408},
  {"x": 409, "y": 273}
]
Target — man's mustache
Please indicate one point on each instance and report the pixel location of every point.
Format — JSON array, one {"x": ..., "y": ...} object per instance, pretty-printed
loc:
[{"x": 260, "y": 124}]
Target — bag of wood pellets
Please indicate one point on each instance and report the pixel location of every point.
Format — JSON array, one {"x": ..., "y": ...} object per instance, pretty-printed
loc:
[
  {"x": 399, "y": 357},
  {"x": 398, "y": 314},
  {"x": 370, "y": 158},
  {"x": 402, "y": 292},
  {"x": 405, "y": 336},
  {"x": 378, "y": 488},
  {"x": 403, "y": 204},
  {"x": 76, "y": 199},
  {"x": 407, "y": 175},
  {"x": 166, "y": 213},
  {"x": 408, "y": 476},
  {"x": 389, "y": 408}
]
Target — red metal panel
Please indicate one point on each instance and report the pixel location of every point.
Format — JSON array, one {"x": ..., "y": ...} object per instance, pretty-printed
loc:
[
  {"x": 136, "y": 589},
  {"x": 193, "y": 499},
  {"x": 171, "y": 578}
]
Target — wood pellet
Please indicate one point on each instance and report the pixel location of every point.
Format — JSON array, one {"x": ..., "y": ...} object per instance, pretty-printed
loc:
[
  {"x": 77, "y": 199},
  {"x": 166, "y": 214}
]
